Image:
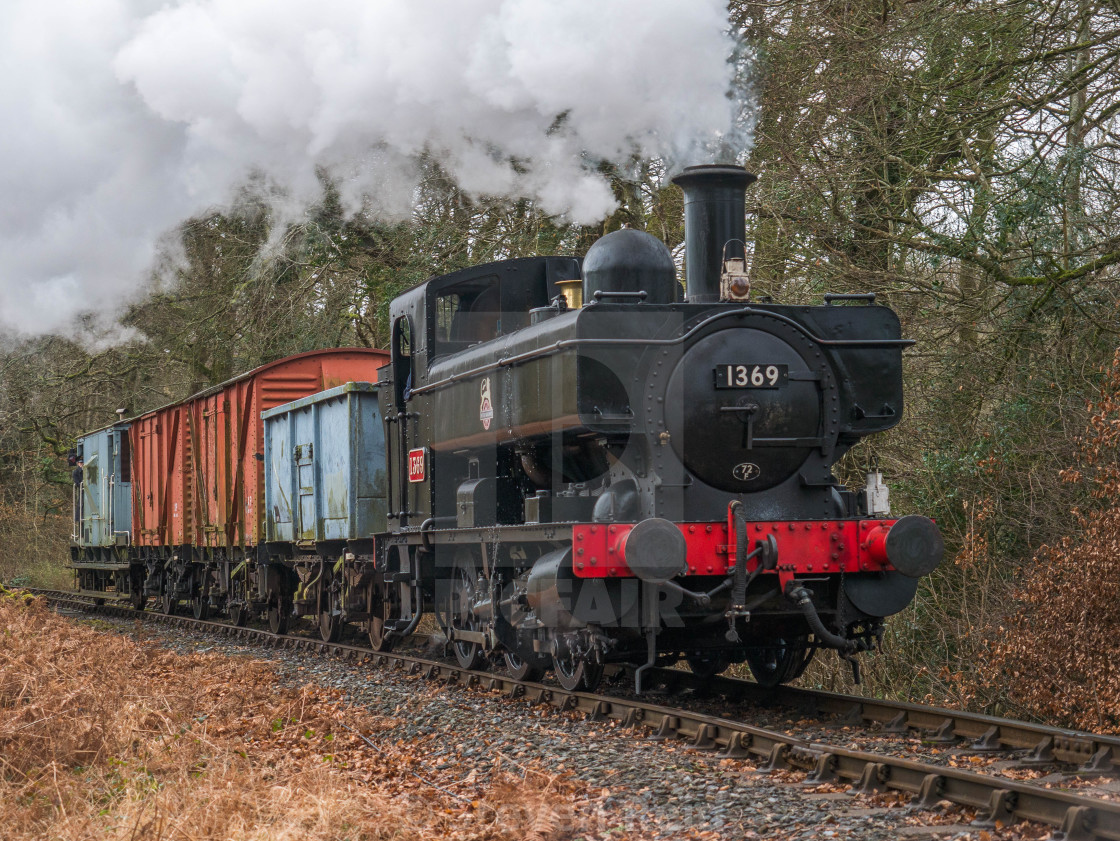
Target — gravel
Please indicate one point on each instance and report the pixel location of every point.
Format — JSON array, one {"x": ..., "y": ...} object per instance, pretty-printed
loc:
[{"x": 650, "y": 789}]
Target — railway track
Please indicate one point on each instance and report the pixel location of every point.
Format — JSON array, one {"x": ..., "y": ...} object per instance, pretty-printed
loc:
[{"x": 998, "y": 799}]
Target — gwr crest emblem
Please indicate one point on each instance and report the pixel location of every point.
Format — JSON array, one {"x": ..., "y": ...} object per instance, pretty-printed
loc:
[{"x": 486, "y": 407}]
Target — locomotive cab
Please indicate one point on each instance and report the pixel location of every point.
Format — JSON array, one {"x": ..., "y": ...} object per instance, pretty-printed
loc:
[{"x": 440, "y": 328}]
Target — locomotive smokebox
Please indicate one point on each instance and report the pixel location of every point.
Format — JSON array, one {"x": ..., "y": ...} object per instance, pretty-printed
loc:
[{"x": 714, "y": 195}]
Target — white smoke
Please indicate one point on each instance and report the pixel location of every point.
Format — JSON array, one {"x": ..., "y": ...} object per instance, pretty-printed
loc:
[{"x": 125, "y": 117}]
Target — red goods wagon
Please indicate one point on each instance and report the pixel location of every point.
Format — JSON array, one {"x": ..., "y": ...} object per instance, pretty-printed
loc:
[{"x": 198, "y": 473}]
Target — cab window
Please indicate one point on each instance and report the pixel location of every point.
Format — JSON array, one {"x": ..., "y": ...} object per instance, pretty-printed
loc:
[{"x": 467, "y": 314}]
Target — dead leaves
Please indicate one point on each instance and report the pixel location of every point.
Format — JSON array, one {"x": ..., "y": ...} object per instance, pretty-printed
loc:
[
  {"x": 1055, "y": 658},
  {"x": 104, "y": 737}
]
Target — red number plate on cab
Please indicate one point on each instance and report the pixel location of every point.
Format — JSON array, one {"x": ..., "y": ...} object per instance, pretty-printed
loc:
[{"x": 416, "y": 462}]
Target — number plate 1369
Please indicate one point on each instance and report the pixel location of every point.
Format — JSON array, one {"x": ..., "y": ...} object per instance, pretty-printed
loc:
[{"x": 749, "y": 375}]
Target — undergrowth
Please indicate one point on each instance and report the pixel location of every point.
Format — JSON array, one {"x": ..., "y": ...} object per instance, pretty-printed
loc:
[
  {"x": 1040, "y": 642},
  {"x": 105, "y": 737},
  {"x": 1055, "y": 656},
  {"x": 33, "y": 548}
]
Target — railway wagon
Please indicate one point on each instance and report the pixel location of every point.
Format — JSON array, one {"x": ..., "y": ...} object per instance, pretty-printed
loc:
[
  {"x": 326, "y": 496},
  {"x": 324, "y": 459},
  {"x": 197, "y": 485},
  {"x": 102, "y": 535}
]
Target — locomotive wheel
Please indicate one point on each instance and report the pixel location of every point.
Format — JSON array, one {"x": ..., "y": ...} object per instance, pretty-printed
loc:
[
  {"x": 382, "y": 609},
  {"x": 807, "y": 653},
  {"x": 279, "y": 613},
  {"x": 524, "y": 668},
  {"x": 577, "y": 675},
  {"x": 200, "y": 607},
  {"x": 167, "y": 602},
  {"x": 707, "y": 664},
  {"x": 137, "y": 598},
  {"x": 458, "y": 613},
  {"x": 781, "y": 663}
]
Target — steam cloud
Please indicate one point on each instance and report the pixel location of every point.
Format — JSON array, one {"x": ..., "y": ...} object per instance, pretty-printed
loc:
[{"x": 125, "y": 117}]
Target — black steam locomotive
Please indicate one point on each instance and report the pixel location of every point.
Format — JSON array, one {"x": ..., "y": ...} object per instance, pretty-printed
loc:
[{"x": 585, "y": 468}]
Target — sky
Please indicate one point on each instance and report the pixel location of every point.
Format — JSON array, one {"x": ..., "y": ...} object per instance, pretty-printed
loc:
[{"x": 124, "y": 118}]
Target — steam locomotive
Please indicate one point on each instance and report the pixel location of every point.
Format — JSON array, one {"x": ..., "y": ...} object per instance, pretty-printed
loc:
[{"x": 569, "y": 463}]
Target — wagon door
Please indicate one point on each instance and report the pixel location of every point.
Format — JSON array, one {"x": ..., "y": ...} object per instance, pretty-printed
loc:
[
  {"x": 306, "y": 476},
  {"x": 212, "y": 459},
  {"x": 303, "y": 432},
  {"x": 148, "y": 486},
  {"x": 95, "y": 450}
]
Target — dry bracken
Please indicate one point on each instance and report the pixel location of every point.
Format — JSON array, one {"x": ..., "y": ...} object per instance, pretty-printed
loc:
[
  {"x": 105, "y": 737},
  {"x": 1057, "y": 657}
]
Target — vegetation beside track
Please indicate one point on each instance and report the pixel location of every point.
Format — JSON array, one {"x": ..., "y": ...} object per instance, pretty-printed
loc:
[
  {"x": 1056, "y": 656},
  {"x": 105, "y": 737}
]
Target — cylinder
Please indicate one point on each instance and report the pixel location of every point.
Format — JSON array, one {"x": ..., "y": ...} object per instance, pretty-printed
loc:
[
  {"x": 549, "y": 589},
  {"x": 714, "y": 195}
]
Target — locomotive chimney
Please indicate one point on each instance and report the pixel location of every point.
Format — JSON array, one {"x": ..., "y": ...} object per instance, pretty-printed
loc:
[{"x": 714, "y": 195}]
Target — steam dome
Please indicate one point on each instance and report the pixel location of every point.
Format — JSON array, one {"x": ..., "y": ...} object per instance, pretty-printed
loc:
[{"x": 630, "y": 261}]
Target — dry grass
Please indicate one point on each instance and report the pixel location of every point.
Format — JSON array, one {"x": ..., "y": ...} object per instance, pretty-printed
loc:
[{"x": 102, "y": 736}]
